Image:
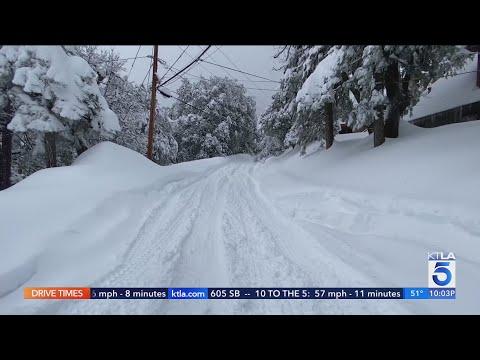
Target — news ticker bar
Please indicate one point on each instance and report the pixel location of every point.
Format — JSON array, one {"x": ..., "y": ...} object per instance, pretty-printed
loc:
[{"x": 76, "y": 293}]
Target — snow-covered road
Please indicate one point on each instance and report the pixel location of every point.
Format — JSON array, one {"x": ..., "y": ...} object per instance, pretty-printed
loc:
[{"x": 219, "y": 229}]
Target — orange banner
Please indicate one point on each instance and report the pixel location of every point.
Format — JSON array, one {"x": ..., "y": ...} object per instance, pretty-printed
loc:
[{"x": 58, "y": 293}]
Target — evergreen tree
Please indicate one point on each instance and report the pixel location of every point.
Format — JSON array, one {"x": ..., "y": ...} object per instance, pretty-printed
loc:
[
  {"x": 393, "y": 77},
  {"x": 277, "y": 124},
  {"x": 49, "y": 93}
]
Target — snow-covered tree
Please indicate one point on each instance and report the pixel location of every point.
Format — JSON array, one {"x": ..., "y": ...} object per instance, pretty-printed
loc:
[
  {"x": 127, "y": 99},
  {"x": 213, "y": 117},
  {"x": 393, "y": 77},
  {"x": 369, "y": 85},
  {"x": 53, "y": 93},
  {"x": 276, "y": 123},
  {"x": 317, "y": 94},
  {"x": 105, "y": 62},
  {"x": 131, "y": 104},
  {"x": 165, "y": 147}
]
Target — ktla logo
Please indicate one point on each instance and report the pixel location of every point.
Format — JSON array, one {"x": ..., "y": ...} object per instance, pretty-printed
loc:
[{"x": 441, "y": 270}]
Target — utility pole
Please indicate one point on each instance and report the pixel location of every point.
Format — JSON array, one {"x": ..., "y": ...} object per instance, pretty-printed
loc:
[{"x": 151, "y": 123}]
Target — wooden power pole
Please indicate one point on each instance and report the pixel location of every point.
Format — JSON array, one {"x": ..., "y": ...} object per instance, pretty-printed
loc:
[{"x": 151, "y": 122}]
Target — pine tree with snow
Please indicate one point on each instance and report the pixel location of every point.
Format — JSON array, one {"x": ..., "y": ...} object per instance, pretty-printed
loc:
[
  {"x": 53, "y": 93},
  {"x": 370, "y": 86},
  {"x": 127, "y": 99},
  {"x": 405, "y": 72},
  {"x": 278, "y": 124}
]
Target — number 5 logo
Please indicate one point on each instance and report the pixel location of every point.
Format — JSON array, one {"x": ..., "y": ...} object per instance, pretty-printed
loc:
[{"x": 441, "y": 267}]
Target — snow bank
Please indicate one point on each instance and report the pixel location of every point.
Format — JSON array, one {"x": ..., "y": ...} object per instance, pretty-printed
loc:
[
  {"x": 44, "y": 217},
  {"x": 383, "y": 209},
  {"x": 448, "y": 93},
  {"x": 351, "y": 136}
]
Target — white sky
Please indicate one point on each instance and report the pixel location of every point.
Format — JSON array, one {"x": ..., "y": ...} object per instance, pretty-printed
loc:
[{"x": 253, "y": 59}]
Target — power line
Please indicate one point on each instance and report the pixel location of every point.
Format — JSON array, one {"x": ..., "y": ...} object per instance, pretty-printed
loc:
[
  {"x": 186, "y": 67},
  {"x": 203, "y": 67},
  {"x": 211, "y": 54},
  {"x": 243, "y": 72},
  {"x": 186, "y": 103},
  {"x": 235, "y": 66},
  {"x": 137, "y": 57},
  {"x": 191, "y": 57},
  {"x": 188, "y": 72},
  {"x": 148, "y": 72},
  {"x": 183, "y": 76},
  {"x": 133, "y": 63},
  {"x": 200, "y": 77},
  {"x": 138, "y": 90},
  {"x": 245, "y": 76},
  {"x": 171, "y": 66}
]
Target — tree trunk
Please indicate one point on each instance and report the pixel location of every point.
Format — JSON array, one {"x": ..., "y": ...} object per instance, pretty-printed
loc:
[
  {"x": 328, "y": 125},
  {"x": 392, "y": 85},
  {"x": 81, "y": 149},
  {"x": 379, "y": 129},
  {"x": 5, "y": 157},
  {"x": 50, "y": 149},
  {"x": 379, "y": 124}
]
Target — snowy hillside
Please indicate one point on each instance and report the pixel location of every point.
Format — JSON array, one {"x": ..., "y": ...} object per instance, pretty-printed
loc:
[{"x": 350, "y": 216}]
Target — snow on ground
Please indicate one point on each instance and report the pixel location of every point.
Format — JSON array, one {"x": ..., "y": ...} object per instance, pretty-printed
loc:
[
  {"x": 350, "y": 216},
  {"x": 59, "y": 218},
  {"x": 351, "y": 136},
  {"x": 448, "y": 93}
]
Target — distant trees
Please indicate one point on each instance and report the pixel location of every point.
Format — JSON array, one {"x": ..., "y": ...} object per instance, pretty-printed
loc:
[
  {"x": 213, "y": 117},
  {"x": 165, "y": 146}
]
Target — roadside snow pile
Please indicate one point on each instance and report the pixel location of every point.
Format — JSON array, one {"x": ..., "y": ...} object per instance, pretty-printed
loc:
[
  {"x": 435, "y": 164},
  {"x": 450, "y": 92},
  {"x": 58, "y": 217}
]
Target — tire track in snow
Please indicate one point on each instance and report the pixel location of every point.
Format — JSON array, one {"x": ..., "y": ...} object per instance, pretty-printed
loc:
[
  {"x": 221, "y": 230},
  {"x": 154, "y": 256},
  {"x": 311, "y": 264}
]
